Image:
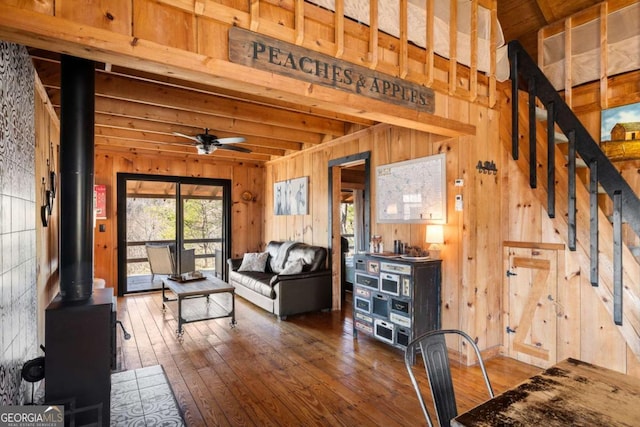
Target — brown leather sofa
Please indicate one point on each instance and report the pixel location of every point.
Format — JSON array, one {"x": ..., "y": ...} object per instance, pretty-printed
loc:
[{"x": 279, "y": 291}]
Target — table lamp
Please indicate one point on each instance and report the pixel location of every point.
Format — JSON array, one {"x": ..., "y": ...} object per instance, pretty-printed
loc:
[{"x": 435, "y": 237}]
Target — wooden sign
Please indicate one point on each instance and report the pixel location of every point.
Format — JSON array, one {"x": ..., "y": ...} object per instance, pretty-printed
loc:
[{"x": 268, "y": 54}]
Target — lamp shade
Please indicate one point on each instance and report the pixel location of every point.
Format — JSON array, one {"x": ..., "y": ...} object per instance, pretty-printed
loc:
[{"x": 435, "y": 234}]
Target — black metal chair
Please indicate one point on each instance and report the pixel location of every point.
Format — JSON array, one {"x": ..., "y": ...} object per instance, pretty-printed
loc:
[{"x": 435, "y": 355}]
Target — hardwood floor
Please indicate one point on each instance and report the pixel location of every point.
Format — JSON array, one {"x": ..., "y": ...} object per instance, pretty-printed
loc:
[{"x": 307, "y": 370}]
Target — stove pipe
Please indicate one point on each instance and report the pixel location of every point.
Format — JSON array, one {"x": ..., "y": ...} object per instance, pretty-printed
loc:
[{"x": 77, "y": 104}]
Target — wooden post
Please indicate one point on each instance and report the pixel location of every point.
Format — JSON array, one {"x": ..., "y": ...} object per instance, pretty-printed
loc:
[
  {"x": 428, "y": 62},
  {"x": 254, "y": 12},
  {"x": 373, "y": 34},
  {"x": 604, "y": 59},
  {"x": 403, "y": 62},
  {"x": 473, "y": 53},
  {"x": 568, "y": 81},
  {"x": 299, "y": 21},
  {"x": 492, "y": 53},
  {"x": 453, "y": 44},
  {"x": 339, "y": 28}
]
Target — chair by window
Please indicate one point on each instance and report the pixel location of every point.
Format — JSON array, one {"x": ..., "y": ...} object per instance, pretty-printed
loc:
[
  {"x": 435, "y": 355},
  {"x": 162, "y": 260}
]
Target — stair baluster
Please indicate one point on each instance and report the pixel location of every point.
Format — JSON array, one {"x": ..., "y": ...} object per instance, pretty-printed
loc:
[
  {"x": 551, "y": 162},
  {"x": 593, "y": 222},
  {"x": 603, "y": 173},
  {"x": 513, "y": 62},
  {"x": 533, "y": 162},
  {"x": 617, "y": 258},
  {"x": 572, "y": 191}
]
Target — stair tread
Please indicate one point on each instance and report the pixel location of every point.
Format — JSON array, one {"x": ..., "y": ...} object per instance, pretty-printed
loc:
[
  {"x": 579, "y": 162},
  {"x": 560, "y": 137},
  {"x": 541, "y": 114}
]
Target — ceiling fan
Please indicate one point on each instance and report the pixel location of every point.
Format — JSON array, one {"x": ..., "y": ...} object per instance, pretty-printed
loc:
[{"x": 208, "y": 143}]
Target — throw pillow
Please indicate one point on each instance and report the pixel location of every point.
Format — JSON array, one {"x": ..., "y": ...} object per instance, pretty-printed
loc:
[
  {"x": 254, "y": 261},
  {"x": 293, "y": 267}
]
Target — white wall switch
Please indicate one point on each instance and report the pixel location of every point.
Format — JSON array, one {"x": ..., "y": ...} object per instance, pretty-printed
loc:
[
  {"x": 459, "y": 182},
  {"x": 458, "y": 205}
]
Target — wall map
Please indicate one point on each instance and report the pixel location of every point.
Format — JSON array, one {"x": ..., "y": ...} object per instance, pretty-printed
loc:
[{"x": 412, "y": 191}]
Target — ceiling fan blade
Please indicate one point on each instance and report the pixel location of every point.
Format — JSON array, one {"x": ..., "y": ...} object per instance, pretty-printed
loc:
[
  {"x": 185, "y": 136},
  {"x": 234, "y": 148},
  {"x": 230, "y": 140}
]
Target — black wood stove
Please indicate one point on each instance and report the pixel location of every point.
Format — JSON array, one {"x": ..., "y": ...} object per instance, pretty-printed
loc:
[{"x": 80, "y": 321}]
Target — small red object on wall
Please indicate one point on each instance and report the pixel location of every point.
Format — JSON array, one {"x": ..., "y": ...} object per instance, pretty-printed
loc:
[{"x": 100, "y": 202}]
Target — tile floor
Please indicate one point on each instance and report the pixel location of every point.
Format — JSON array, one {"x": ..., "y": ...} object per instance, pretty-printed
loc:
[{"x": 143, "y": 397}]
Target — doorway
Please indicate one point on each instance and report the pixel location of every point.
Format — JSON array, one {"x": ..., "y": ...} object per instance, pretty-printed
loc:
[
  {"x": 349, "y": 218},
  {"x": 190, "y": 215}
]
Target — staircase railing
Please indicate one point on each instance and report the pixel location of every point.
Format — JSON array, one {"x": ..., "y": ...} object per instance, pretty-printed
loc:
[{"x": 526, "y": 76}]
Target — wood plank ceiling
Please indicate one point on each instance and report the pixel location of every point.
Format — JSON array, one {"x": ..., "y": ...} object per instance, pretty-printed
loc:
[
  {"x": 139, "y": 112},
  {"x": 521, "y": 19}
]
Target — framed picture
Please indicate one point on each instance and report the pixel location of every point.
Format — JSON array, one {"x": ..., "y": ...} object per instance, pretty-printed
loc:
[
  {"x": 413, "y": 191},
  {"x": 620, "y": 123},
  {"x": 620, "y": 132},
  {"x": 291, "y": 197}
]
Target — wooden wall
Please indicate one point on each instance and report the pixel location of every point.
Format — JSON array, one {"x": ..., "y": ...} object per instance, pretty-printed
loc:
[
  {"x": 497, "y": 209},
  {"x": 246, "y": 217},
  {"x": 584, "y": 328},
  {"x": 47, "y": 132},
  {"x": 202, "y": 27},
  {"x": 471, "y": 270}
]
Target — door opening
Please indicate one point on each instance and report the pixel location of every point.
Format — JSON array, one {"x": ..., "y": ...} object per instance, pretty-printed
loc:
[
  {"x": 349, "y": 218},
  {"x": 190, "y": 217}
]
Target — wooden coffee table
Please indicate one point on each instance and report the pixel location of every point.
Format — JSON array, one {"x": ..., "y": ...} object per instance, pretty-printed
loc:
[{"x": 213, "y": 308}]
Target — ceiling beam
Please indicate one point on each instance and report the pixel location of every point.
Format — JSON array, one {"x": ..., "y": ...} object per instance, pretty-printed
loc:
[
  {"x": 115, "y": 144},
  {"x": 60, "y": 35},
  {"x": 135, "y": 110},
  {"x": 136, "y": 137},
  {"x": 119, "y": 122},
  {"x": 48, "y": 56},
  {"x": 159, "y": 95}
]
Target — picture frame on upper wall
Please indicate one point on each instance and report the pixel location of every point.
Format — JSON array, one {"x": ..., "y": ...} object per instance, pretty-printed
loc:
[
  {"x": 412, "y": 191},
  {"x": 620, "y": 132},
  {"x": 291, "y": 197}
]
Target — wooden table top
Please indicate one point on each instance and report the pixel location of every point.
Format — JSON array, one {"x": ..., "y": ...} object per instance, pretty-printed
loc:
[
  {"x": 209, "y": 285},
  {"x": 570, "y": 393}
]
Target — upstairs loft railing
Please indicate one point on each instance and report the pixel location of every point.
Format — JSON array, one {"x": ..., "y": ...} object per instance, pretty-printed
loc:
[
  {"x": 526, "y": 76},
  {"x": 324, "y": 26}
]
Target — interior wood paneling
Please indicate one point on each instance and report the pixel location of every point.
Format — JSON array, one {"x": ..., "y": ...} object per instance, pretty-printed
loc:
[
  {"x": 584, "y": 326},
  {"x": 247, "y": 216},
  {"x": 138, "y": 115},
  {"x": 112, "y": 15},
  {"x": 471, "y": 280}
]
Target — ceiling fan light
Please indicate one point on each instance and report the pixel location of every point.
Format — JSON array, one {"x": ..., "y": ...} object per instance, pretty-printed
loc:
[{"x": 205, "y": 149}]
